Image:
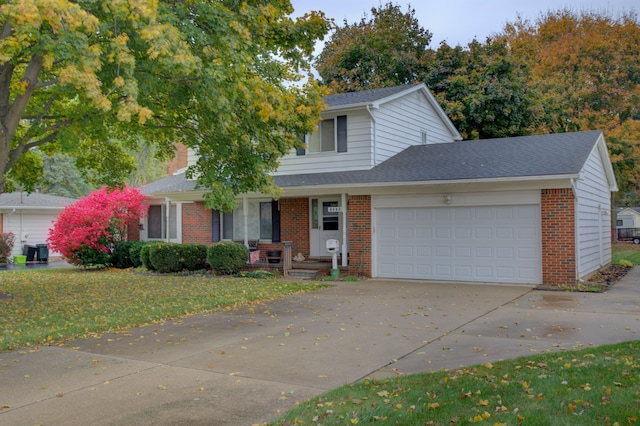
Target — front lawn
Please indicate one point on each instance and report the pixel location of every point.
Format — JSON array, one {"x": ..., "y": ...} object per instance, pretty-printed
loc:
[
  {"x": 625, "y": 251},
  {"x": 52, "y": 306},
  {"x": 595, "y": 386}
]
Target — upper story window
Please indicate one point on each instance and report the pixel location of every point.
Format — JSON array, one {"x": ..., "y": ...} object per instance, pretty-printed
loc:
[{"x": 331, "y": 136}]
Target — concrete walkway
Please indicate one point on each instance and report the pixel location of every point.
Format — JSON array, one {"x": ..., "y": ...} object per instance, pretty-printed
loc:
[{"x": 247, "y": 366}]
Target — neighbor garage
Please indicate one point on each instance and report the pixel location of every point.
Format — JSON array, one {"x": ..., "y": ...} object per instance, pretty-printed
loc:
[{"x": 448, "y": 242}]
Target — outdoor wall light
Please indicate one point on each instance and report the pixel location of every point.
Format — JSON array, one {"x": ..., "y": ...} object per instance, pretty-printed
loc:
[{"x": 447, "y": 198}]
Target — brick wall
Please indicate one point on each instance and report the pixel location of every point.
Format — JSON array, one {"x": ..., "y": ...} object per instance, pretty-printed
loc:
[
  {"x": 558, "y": 236},
  {"x": 359, "y": 216},
  {"x": 294, "y": 225},
  {"x": 196, "y": 224}
]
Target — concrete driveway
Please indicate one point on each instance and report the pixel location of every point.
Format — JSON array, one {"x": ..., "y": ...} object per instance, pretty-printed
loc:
[{"x": 247, "y": 366}]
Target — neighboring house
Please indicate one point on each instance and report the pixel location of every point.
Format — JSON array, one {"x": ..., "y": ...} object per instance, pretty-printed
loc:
[
  {"x": 29, "y": 217},
  {"x": 628, "y": 217},
  {"x": 387, "y": 175}
]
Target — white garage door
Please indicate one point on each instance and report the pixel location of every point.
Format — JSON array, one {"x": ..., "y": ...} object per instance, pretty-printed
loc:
[{"x": 486, "y": 244}]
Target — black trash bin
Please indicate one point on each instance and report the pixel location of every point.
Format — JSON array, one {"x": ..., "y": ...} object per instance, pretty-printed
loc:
[
  {"x": 43, "y": 252},
  {"x": 30, "y": 252}
]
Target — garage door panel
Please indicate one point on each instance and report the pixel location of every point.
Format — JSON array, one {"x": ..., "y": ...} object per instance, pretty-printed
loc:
[
  {"x": 505, "y": 233},
  {"x": 483, "y": 272},
  {"x": 405, "y": 251},
  {"x": 464, "y": 252},
  {"x": 504, "y": 253},
  {"x": 443, "y": 252},
  {"x": 483, "y": 252},
  {"x": 487, "y": 243},
  {"x": 424, "y": 270},
  {"x": 505, "y": 273}
]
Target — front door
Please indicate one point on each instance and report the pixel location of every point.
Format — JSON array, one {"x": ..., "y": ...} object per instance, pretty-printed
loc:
[{"x": 326, "y": 223}]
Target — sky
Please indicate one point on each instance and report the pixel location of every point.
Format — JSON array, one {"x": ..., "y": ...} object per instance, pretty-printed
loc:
[{"x": 459, "y": 21}]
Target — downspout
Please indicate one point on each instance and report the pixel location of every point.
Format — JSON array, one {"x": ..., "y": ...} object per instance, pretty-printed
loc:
[
  {"x": 575, "y": 227},
  {"x": 375, "y": 153},
  {"x": 601, "y": 212},
  {"x": 343, "y": 203}
]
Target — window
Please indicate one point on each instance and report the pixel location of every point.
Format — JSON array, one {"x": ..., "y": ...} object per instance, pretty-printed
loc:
[
  {"x": 157, "y": 222},
  {"x": 331, "y": 136},
  {"x": 260, "y": 224},
  {"x": 618, "y": 222}
]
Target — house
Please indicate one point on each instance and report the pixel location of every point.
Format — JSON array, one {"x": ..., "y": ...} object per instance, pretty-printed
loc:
[
  {"x": 29, "y": 217},
  {"x": 388, "y": 175},
  {"x": 628, "y": 217}
]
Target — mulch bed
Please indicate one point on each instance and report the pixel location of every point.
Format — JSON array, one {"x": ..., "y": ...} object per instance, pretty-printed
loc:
[{"x": 600, "y": 281}]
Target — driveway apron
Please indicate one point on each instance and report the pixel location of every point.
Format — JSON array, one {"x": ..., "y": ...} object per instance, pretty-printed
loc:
[{"x": 247, "y": 366}]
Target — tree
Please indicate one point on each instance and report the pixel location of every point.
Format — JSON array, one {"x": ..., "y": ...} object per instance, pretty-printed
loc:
[
  {"x": 90, "y": 78},
  {"x": 384, "y": 50},
  {"x": 481, "y": 88},
  {"x": 61, "y": 177},
  {"x": 87, "y": 232},
  {"x": 585, "y": 75}
]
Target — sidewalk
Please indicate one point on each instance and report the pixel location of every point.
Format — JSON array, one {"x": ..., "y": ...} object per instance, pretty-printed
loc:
[{"x": 247, "y": 366}]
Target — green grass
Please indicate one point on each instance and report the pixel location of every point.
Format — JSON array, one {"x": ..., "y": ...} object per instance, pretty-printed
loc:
[
  {"x": 56, "y": 305},
  {"x": 596, "y": 386},
  {"x": 625, "y": 251}
]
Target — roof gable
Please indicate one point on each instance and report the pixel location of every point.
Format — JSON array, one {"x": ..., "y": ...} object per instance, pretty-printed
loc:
[{"x": 374, "y": 98}]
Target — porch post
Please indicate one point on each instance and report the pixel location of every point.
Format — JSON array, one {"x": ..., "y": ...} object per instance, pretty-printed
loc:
[
  {"x": 245, "y": 214},
  {"x": 167, "y": 226},
  {"x": 343, "y": 203}
]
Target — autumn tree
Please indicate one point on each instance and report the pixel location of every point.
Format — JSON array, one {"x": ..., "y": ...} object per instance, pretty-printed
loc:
[
  {"x": 379, "y": 51},
  {"x": 91, "y": 78},
  {"x": 585, "y": 75},
  {"x": 87, "y": 231}
]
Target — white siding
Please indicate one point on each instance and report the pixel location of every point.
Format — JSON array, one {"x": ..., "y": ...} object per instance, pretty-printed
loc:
[
  {"x": 396, "y": 125},
  {"x": 30, "y": 227},
  {"x": 359, "y": 155},
  {"x": 400, "y": 123},
  {"x": 593, "y": 216}
]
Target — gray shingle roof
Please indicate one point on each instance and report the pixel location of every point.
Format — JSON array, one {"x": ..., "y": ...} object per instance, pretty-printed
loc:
[
  {"x": 517, "y": 157},
  {"x": 525, "y": 156},
  {"x": 364, "y": 96},
  {"x": 34, "y": 200}
]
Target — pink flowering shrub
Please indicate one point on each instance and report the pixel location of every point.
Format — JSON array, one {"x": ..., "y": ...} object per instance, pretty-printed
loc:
[
  {"x": 87, "y": 232},
  {"x": 7, "y": 240}
]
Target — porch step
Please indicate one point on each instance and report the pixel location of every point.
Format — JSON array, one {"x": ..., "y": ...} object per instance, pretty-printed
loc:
[{"x": 303, "y": 273}]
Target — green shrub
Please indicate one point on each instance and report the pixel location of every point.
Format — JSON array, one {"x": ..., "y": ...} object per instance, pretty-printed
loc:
[
  {"x": 134, "y": 252},
  {"x": 194, "y": 257},
  {"x": 165, "y": 257},
  {"x": 122, "y": 255},
  {"x": 91, "y": 258},
  {"x": 227, "y": 258},
  {"x": 144, "y": 256}
]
